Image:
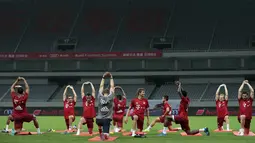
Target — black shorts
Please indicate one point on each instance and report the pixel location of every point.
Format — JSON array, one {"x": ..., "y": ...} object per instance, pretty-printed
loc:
[{"x": 105, "y": 123}]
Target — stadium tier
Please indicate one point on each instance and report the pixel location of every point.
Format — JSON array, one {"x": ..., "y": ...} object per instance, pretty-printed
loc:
[
  {"x": 197, "y": 92},
  {"x": 100, "y": 25}
]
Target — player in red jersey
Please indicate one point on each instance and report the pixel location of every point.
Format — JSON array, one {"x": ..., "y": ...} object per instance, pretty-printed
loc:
[
  {"x": 222, "y": 107},
  {"x": 69, "y": 104},
  {"x": 120, "y": 102},
  {"x": 20, "y": 113},
  {"x": 167, "y": 109},
  {"x": 88, "y": 102},
  {"x": 182, "y": 117},
  {"x": 140, "y": 105},
  {"x": 245, "y": 108},
  {"x": 10, "y": 118}
]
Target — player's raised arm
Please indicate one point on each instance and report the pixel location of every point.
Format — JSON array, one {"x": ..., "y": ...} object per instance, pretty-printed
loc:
[
  {"x": 179, "y": 89},
  {"x": 251, "y": 89},
  {"x": 93, "y": 90},
  {"x": 226, "y": 91},
  {"x": 74, "y": 94},
  {"x": 111, "y": 84},
  {"x": 64, "y": 94},
  {"x": 218, "y": 92},
  {"x": 26, "y": 85},
  {"x": 82, "y": 90},
  {"x": 14, "y": 84},
  {"x": 101, "y": 88},
  {"x": 240, "y": 90},
  {"x": 122, "y": 90}
]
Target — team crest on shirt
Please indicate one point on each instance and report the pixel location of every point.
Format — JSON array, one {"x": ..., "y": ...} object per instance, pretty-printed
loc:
[
  {"x": 143, "y": 102},
  {"x": 136, "y": 102}
]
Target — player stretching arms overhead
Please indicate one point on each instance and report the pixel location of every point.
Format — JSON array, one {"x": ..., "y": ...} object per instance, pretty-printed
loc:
[
  {"x": 182, "y": 118},
  {"x": 10, "y": 118},
  {"x": 69, "y": 104},
  {"x": 139, "y": 106},
  {"x": 20, "y": 113},
  {"x": 119, "y": 110},
  {"x": 166, "y": 111},
  {"x": 245, "y": 108},
  {"x": 222, "y": 107},
  {"x": 89, "y": 113},
  {"x": 105, "y": 107}
]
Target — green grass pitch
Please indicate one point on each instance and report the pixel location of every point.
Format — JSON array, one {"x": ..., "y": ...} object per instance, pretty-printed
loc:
[{"x": 57, "y": 123}]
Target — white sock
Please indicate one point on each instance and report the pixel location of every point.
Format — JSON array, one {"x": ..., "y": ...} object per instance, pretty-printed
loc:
[
  {"x": 241, "y": 130},
  {"x": 70, "y": 127},
  {"x": 7, "y": 127},
  {"x": 227, "y": 126},
  {"x": 38, "y": 130},
  {"x": 202, "y": 130},
  {"x": 78, "y": 132},
  {"x": 164, "y": 130},
  {"x": 133, "y": 132},
  {"x": 149, "y": 127}
]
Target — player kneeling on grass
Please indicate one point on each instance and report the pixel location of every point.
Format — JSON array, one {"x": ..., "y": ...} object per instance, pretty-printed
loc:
[
  {"x": 166, "y": 111},
  {"x": 10, "y": 118},
  {"x": 222, "y": 107},
  {"x": 245, "y": 108},
  {"x": 89, "y": 113},
  {"x": 140, "y": 105},
  {"x": 69, "y": 104},
  {"x": 20, "y": 113},
  {"x": 182, "y": 117},
  {"x": 105, "y": 107},
  {"x": 119, "y": 110}
]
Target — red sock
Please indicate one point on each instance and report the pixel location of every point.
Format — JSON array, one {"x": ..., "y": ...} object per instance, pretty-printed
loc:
[
  {"x": 173, "y": 129},
  {"x": 246, "y": 131},
  {"x": 100, "y": 131},
  {"x": 90, "y": 130}
]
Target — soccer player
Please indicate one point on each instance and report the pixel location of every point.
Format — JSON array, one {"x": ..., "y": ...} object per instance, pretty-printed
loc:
[
  {"x": 105, "y": 107},
  {"x": 245, "y": 108},
  {"x": 89, "y": 113},
  {"x": 120, "y": 102},
  {"x": 222, "y": 107},
  {"x": 166, "y": 111},
  {"x": 140, "y": 105},
  {"x": 182, "y": 117},
  {"x": 69, "y": 104},
  {"x": 20, "y": 113}
]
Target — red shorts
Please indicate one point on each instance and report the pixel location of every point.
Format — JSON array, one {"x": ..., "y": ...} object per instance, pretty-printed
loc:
[
  {"x": 162, "y": 120},
  {"x": 247, "y": 122},
  {"x": 19, "y": 118},
  {"x": 220, "y": 121},
  {"x": 140, "y": 121},
  {"x": 67, "y": 116},
  {"x": 118, "y": 119},
  {"x": 184, "y": 122},
  {"x": 89, "y": 122}
]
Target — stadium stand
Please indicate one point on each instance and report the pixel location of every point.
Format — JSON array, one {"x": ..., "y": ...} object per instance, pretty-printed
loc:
[
  {"x": 37, "y": 92},
  {"x": 126, "y": 26}
]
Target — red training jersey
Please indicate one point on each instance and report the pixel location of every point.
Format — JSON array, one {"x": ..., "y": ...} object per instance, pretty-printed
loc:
[
  {"x": 245, "y": 107},
  {"x": 88, "y": 107},
  {"x": 183, "y": 108},
  {"x": 139, "y": 106},
  {"x": 165, "y": 106},
  {"x": 69, "y": 108},
  {"x": 19, "y": 102},
  {"x": 119, "y": 106},
  {"x": 222, "y": 108}
]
